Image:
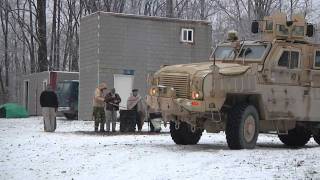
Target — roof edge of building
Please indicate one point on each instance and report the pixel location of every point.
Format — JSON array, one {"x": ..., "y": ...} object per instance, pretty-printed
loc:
[{"x": 155, "y": 18}]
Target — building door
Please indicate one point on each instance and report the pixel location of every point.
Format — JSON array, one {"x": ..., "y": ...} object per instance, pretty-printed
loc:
[
  {"x": 123, "y": 85},
  {"x": 26, "y": 94},
  {"x": 44, "y": 84}
]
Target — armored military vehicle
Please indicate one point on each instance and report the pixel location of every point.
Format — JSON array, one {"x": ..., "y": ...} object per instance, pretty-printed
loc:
[{"x": 271, "y": 85}]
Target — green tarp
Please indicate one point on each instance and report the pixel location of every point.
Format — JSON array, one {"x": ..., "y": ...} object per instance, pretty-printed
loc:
[{"x": 12, "y": 110}]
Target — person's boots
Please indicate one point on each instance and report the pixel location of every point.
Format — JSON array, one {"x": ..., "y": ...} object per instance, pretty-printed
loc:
[
  {"x": 102, "y": 128},
  {"x": 96, "y": 125}
]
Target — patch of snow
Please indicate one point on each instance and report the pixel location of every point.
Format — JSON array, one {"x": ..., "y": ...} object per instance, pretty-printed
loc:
[{"x": 73, "y": 151}]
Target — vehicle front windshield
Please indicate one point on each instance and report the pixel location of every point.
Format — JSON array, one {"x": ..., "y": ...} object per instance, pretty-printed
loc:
[
  {"x": 252, "y": 52},
  {"x": 224, "y": 53}
]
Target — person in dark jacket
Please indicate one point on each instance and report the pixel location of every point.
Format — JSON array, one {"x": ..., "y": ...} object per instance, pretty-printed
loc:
[
  {"x": 112, "y": 100},
  {"x": 49, "y": 104},
  {"x": 137, "y": 104}
]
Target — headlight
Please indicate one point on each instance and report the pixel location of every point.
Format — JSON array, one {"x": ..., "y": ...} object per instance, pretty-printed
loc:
[
  {"x": 153, "y": 91},
  {"x": 196, "y": 95}
]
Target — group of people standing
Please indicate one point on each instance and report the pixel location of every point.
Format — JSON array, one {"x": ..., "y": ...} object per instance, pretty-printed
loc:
[{"x": 106, "y": 104}]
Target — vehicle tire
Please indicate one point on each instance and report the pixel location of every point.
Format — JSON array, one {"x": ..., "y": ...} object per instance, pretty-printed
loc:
[
  {"x": 184, "y": 135},
  {"x": 70, "y": 116},
  {"x": 297, "y": 137},
  {"x": 242, "y": 128}
]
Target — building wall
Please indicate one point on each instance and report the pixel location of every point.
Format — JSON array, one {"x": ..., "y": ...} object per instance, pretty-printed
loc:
[
  {"x": 141, "y": 44},
  {"x": 88, "y": 64},
  {"x": 36, "y": 86}
]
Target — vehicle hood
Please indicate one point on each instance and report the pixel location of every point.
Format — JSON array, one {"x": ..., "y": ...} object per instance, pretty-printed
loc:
[
  {"x": 202, "y": 69},
  {"x": 230, "y": 69}
]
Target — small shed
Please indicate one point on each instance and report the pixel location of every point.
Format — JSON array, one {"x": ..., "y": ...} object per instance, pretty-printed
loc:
[
  {"x": 34, "y": 84},
  {"x": 122, "y": 49}
]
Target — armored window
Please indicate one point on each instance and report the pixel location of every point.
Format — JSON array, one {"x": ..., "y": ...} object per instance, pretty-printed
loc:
[
  {"x": 187, "y": 35},
  {"x": 317, "y": 59},
  {"x": 224, "y": 52},
  {"x": 253, "y": 52},
  {"x": 269, "y": 25},
  {"x": 298, "y": 30},
  {"x": 289, "y": 59},
  {"x": 282, "y": 30}
]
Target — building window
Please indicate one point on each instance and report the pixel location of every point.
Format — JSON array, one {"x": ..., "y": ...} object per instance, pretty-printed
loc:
[
  {"x": 187, "y": 35},
  {"x": 317, "y": 60},
  {"x": 289, "y": 59}
]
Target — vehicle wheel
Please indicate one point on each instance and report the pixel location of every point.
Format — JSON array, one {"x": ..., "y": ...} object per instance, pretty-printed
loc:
[
  {"x": 184, "y": 135},
  {"x": 242, "y": 128},
  {"x": 70, "y": 116},
  {"x": 297, "y": 137}
]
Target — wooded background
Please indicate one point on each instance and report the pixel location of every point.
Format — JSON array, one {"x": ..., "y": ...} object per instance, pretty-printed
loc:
[{"x": 40, "y": 35}]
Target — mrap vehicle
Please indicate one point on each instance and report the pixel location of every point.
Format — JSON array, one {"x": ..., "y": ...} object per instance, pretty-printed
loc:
[{"x": 271, "y": 85}]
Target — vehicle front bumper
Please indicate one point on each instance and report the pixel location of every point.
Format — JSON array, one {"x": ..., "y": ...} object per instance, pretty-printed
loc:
[{"x": 175, "y": 106}]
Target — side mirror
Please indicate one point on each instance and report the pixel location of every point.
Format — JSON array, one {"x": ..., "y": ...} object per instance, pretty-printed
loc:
[
  {"x": 310, "y": 30},
  {"x": 255, "y": 27}
]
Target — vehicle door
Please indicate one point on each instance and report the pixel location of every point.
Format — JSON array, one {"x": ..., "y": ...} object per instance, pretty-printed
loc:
[
  {"x": 283, "y": 90},
  {"x": 314, "y": 113}
]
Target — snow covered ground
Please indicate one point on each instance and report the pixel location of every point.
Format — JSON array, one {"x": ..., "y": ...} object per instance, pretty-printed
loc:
[{"x": 74, "y": 152}]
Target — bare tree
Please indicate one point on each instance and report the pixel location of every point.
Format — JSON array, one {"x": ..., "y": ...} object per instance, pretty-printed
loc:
[
  {"x": 4, "y": 17},
  {"x": 53, "y": 45},
  {"x": 42, "y": 35},
  {"x": 169, "y": 8}
]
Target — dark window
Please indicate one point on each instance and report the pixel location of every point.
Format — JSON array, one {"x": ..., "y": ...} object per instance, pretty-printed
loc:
[
  {"x": 269, "y": 25},
  {"x": 187, "y": 35},
  {"x": 317, "y": 59},
  {"x": 289, "y": 59},
  {"x": 284, "y": 59},
  {"x": 252, "y": 51},
  {"x": 224, "y": 52},
  {"x": 294, "y": 63},
  {"x": 190, "y": 36}
]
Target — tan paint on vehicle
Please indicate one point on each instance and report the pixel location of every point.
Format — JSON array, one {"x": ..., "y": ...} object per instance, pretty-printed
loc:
[{"x": 283, "y": 95}]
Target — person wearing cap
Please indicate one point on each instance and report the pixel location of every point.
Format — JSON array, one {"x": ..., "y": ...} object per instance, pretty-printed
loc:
[
  {"x": 98, "y": 107},
  {"x": 49, "y": 105},
  {"x": 136, "y": 103},
  {"x": 112, "y": 100}
]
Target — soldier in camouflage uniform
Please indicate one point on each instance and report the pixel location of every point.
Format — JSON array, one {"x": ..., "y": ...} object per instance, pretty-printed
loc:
[{"x": 98, "y": 107}]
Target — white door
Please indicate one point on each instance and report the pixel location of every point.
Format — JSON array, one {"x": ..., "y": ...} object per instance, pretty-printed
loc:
[{"x": 123, "y": 85}]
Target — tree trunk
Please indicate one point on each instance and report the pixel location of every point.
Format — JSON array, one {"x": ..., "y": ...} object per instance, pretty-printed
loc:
[
  {"x": 202, "y": 10},
  {"x": 57, "y": 50},
  {"x": 53, "y": 37},
  {"x": 42, "y": 35},
  {"x": 31, "y": 50},
  {"x": 4, "y": 15},
  {"x": 169, "y": 8}
]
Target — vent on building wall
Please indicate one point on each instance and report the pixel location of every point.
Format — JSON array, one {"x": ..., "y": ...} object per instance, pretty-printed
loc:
[{"x": 186, "y": 35}]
